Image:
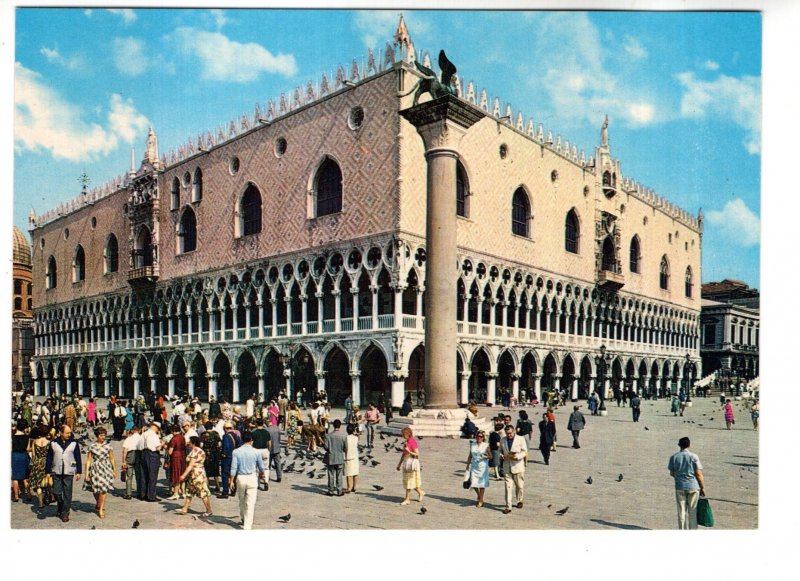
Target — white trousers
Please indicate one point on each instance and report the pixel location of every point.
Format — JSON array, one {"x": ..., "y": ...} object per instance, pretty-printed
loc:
[
  {"x": 247, "y": 490},
  {"x": 687, "y": 508},
  {"x": 516, "y": 482},
  {"x": 265, "y": 458}
]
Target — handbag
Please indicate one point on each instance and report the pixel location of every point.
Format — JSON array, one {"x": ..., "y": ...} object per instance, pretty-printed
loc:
[
  {"x": 705, "y": 518},
  {"x": 410, "y": 464},
  {"x": 467, "y": 479},
  {"x": 123, "y": 475}
]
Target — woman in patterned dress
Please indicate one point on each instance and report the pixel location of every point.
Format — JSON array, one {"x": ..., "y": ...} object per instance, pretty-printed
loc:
[
  {"x": 292, "y": 417},
  {"x": 212, "y": 446},
  {"x": 100, "y": 470},
  {"x": 195, "y": 477},
  {"x": 39, "y": 445}
]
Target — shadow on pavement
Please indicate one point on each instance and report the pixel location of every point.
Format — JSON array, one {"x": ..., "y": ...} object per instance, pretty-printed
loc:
[
  {"x": 617, "y": 525},
  {"x": 733, "y": 501},
  {"x": 743, "y": 464}
]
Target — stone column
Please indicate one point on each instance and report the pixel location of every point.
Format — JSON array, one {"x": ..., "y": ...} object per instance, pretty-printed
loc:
[
  {"x": 190, "y": 386},
  {"x": 465, "y": 388},
  {"x": 137, "y": 385},
  {"x": 92, "y": 386},
  {"x": 304, "y": 314},
  {"x": 247, "y": 321},
  {"x": 537, "y": 387},
  {"x": 274, "y": 303},
  {"x": 515, "y": 386},
  {"x": 320, "y": 381},
  {"x": 441, "y": 123},
  {"x": 398, "y": 307},
  {"x": 355, "y": 378},
  {"x": 420, "y": 291},
  {"x": 574, "y": 389},
  {"x": 261, "y": 386},
  {"x": 320, "y": 310},
  {"x": 106, "y": 387},
  {"x": 260, "y": 319},
  {"x": 287, "y": 375},
  {"x": 398, "y": 390},
  {"x": 374, "y": 290},
  {"x": 591, "y": 384},
  {"x": 288, "y": 301},
  {"x": 491, "y": 388},
  {"x": 337, "y": 310},
  {"x": 171, "y": 385},
  {"x": 354, "y": 293},
  {"x": 235, "y": 379},
  {"x": 212, "y": 386}
]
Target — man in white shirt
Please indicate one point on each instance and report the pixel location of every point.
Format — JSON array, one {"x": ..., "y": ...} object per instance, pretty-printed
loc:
[
  {"x": 151, "y": 456},
  {"x": 131, "y": 456},
  {"x": 178, "y": 410},
  {"x": 188, "y": 431}
]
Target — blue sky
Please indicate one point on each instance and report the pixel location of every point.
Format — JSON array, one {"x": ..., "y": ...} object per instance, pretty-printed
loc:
[{"x": 682, "y": 91}]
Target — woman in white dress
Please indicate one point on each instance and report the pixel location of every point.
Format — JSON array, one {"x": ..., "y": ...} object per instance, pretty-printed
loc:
[
  {"x": 351, "y": 460},
  {"x": 478, "y": 465}
]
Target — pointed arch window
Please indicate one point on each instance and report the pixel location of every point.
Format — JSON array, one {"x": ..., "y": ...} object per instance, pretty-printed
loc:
[
  {"x": 663, "y": 276},
  {"x": 52, "y": 273},
  {"x": 250, "y": 211},
  {"x": 328, "y": 188},
  {"x": 462, "y": 191},
  {"x": 571, "y": 232},
  {"x": 521, "y": 214},
  {"x": 688, "y": 282},
  {"x": 175, "y": 194},
  {"x": 143, "y": 251},
  {"x": 609, "y": 255},
  {"x": 636, "y": 255},
  {"x": 187, "y": 232},
  {"x": 111, "y": 257},
  {"x": 197, "y": 185},
  {"x": 79, "y": 265}
]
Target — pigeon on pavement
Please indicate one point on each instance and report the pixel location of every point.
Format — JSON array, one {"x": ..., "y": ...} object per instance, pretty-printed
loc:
[
  {"x": 619, "y": 478},
  {"x": 136, "y": 524},
  {"x": 285, "y": 518},
  {"x": 376, "y": 487},
  {"x": 589, "y": 480},
  {"x": 423, "y": 510},
  {"x": 563, "y": 511}
]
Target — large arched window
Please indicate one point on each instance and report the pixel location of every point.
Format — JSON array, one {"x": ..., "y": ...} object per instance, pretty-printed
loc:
[
  {"x": 663, "y": 276},
  {"x": 79, "y": 265},
  {"x": 609, "y": 255},
  {"x": 521, "y": 214},
  {"x": 250, "y": 211},
  {"x": 689, "y": 282},
  {"x": 111, "y": 256},
  {"x": 462, "y": 191},
  {"x": 175, "y": 198},
  {"x": 197, "y": 185},
  {"x": 328, "y": 188},
  {"x": 17, "y": 286},
  {"x": 52, "y": 273},
  {"x": 636, "y": 254},
  {"x": 143, "y": 251},
  {"x": 571, "y": 232},
  {"x": 187, "y": 232}
]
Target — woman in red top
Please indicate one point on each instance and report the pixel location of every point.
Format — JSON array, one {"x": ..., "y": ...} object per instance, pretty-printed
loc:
[
  {"x": 177, "y": 462},
  {"x": 409, "y": 462}
]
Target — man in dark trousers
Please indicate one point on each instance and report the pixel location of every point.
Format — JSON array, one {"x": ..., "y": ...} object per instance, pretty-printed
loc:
[
  {"x": 336, "y": 447},
  {"x": 230, "y": 441},
  {"x": 64, "y": 464},
  {"x": 575, "y": 424},
  {"x": 274, "y": 452},
  {"x": 636, "y": 407},
  {"x": 214, "y": 409},
  {"x": 151, "y": 460}
]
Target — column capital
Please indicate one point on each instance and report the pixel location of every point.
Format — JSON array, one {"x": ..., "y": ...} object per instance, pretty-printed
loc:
[
  {"x": 491, "y": 375},
  {"x": 397, "y": 377},
  {"x": 320, "y": 374},
  {"x": 442, "y": 122},
  {"x": 355, "y": 374}
]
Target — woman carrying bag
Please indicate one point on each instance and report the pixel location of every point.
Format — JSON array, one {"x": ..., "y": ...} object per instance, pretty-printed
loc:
[{"x": 478, "y": 466}]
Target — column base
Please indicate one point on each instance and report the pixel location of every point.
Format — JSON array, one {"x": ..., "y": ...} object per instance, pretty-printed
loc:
[{"x": 436, "y": 423}]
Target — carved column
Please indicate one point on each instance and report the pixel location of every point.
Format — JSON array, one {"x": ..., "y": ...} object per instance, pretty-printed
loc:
[
  {"x": 355, "y": 378},
  {"x": 465, "y": 388},
  {"x": 171, "y": 385},
  {"x": 491, "y": 388},
  {"x": 235, "y": 380},
  {"x": 337, "y": 309}
]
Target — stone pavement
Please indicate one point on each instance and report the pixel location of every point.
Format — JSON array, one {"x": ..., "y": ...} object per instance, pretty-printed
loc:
[{"x": 611, "y": 445}]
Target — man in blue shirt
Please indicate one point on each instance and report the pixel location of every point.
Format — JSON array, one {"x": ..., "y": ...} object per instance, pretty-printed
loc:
[
  {"x": 685, "y": 468},
  {"x": 246, "y": 467}
]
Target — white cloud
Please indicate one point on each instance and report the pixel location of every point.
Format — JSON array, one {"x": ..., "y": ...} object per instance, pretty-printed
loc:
[
  {"x": 219, "y": 17},
  {"x": 128, "y": 15},
  {"x": 45, "y": 121},
  {"x": 711, "y": 65},
  {"x": 378, "y": 26},
  {"x": 223, "y": 59},
  {"x": 73, "y": 63},
  {"x": 737, "y": 222},
  {"x": 634, "y": 49},
  {"x": 579, "y": 85},
  {"x": 129, "y": 56},
  {"x": 733, "y": 99}
]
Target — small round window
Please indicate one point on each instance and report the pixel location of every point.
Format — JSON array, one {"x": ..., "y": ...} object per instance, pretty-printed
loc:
[
  {"x": 66, "y": 233},
  {"x": 503, "y": 151},
  {"x": 554, "y": 175},
  {"x": 94, "y": 222},
  {"x": 585, "y": 190},
  {"x": 356, "y": 118},
  {"x": 644, "y": 221},
  {"x": 622, "y": 209},
  {"x": 234, "y": 166},
  {"x": 280, "y": 146}
]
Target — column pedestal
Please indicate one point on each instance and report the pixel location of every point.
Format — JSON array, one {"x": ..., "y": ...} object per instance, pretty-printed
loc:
[{"x": 398, "y": 390}]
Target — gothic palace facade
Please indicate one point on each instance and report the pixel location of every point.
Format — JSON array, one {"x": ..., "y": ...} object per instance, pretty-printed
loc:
[{"x": 288, "y": 251}]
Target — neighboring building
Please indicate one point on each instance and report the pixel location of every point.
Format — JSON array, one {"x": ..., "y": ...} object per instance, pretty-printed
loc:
[
  {"x": 289, "y": 250},
  {"x": 22, "y": 314},
  {"x": 730, "y": 322}
]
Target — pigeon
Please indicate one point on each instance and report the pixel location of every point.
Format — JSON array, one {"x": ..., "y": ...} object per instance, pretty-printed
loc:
[
  {"x": 549, "y": 505},
  {"x": 382, "y": 436},
  {"x": 399, "y": 448},
  {"x": 563, "y": 511},
  {"x": 136, "y": 524},
  {"x": 700, "y": 425},
  {"x": 589, "y": 480},
  {"x": 711, "y": 419},
  {"x": 376, "y": 487},
  {"x": 375, "y": 463},
  {"x": 646, "y": 428},
  {"x": 320, "y": 475},
  {"x": 419, "y": 437},
  {"x": 619, "y": 478},
  {"x": 302, "y": 464},
  {"x": 285, "y": 518},
  {"x": 311, "y": 474},
  {"x": 94, "y": 528},
  {"x": 423, "y": 510}
]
